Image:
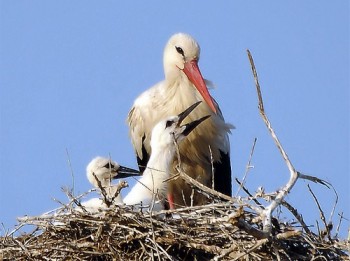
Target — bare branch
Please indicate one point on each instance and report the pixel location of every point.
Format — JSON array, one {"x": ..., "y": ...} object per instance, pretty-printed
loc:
[
  {"x": 249, "y": 194},
  {"x": 297, "y": 216},
  {"x": 71, "y": 170},
  {"x": 327, "y": 233},
  {"x": 202, "y": 187},
  {"x": 248, "y": 166},
  {"x": 293, "y": 173}
]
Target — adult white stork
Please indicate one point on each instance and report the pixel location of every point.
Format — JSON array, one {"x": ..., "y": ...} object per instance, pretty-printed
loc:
[
  {"x": 100, "y": 172},
  {"x": 151, "y": 190},
  {"x": 184, "y": 85}
]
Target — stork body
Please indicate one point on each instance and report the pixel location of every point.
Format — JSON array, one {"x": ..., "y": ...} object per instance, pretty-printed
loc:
[
  {"x": 183, "y": 86},
  {"x": 152, "y": 189}
]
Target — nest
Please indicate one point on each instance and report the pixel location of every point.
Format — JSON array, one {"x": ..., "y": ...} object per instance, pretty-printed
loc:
[{"x": 218, "y": 231}]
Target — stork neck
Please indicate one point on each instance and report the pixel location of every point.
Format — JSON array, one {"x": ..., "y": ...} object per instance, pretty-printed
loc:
[
  {"x": 176, "y": 77},
  {"x": 180, "y": 94},
  {"x": 161, "y": 160}
]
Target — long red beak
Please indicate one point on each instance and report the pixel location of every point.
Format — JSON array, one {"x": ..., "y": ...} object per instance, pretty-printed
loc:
[{"x": 194, "y": 75}]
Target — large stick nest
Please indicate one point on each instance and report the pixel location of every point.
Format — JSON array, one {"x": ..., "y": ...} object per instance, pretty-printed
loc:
[{"x": 219, "y": 231}]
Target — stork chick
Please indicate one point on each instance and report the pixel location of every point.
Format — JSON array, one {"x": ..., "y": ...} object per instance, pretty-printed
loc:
[
  {"x": 152, "y": 188},
  {"x": 100, "y": 172}
]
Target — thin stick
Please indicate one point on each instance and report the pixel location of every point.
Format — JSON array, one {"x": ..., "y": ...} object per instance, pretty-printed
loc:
[
  {"x": 335, "y": 203},
  {"x": 314, "y": 179},
  {"x": 153, "y": 234},
  {"x": 297, "y": 216},
  {"x": 202, "y": 187},
  {"x": 120, "y": 186},
  {"x": 339, "y": 223},
  {"x": 194, "y": 182},
  {"x": 106, "y": 199},
  {"x": 71, "y": 171},
  {"x": 256, "y": 245},
  {"x": 212, "y": 169},
  {"x": 249, "y": 194},
  {"x": 248, "y": 167},
  {"x": 321, "y": 213}
]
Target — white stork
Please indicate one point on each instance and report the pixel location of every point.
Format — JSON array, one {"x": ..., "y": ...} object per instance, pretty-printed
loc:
[
  {"x": 100, "y": 172},
  {"x": 184, "y": 85},
  {"x": 151, "y": 190}
]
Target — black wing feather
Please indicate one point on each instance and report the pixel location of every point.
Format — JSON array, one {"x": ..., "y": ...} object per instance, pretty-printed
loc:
[
  {"x": 142, "y": 163},
  {"x": 222, "y": 175}
]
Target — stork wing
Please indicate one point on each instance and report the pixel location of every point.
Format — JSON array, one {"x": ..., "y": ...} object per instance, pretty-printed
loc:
[
  {"x": 140, "y": 121},
  {"x": 138, "y": 135}
]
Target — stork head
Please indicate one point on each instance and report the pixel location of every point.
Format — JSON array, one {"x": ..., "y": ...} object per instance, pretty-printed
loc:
[
  {"x": 169, "y": 130},
  {"x": 181, "y": 57},
  {"x": 105, "y": 170}
]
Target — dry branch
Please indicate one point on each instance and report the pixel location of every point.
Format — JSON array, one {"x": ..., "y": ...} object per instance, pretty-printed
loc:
[
  {"x": 248, "y": 167},
  {"x": 294, "y": 175}
]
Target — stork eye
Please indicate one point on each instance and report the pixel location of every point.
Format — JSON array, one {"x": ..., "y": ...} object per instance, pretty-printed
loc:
[
  {"x": 109, "y": 166},
  {"x": 180, "y": 51},
  {"x": 168, "y": 124}
]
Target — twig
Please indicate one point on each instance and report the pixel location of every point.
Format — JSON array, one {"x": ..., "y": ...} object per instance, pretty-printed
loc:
[
  {"x": 153, "y": 234},
  {"x": 339, "y": 223},
  {"x": 118, "y": 188},
  {"x": 263, "y": 241},
  {"x": 202, "y": 187},
  {"x": 191, "y": 197},
  {"x": 297, "y": 216},
  {"x": 257, "y": 233},
  {"x": 314, "y": 179},
  {"x": 256, "y": 245},
  {"x": 335, "y": 203},
  {"x": 212, "y": 169},
  {"x": 71, "y": 171},
  {"x": 177, "y": 151},
  {"x": 226, "y": 252},
  {"x": 194, "y": 182},
  {"x": 321, "y": 214},
  {"x": 250, "y": 195},
  {"x": 28, "y": 255},
  {"x": 248, "y": 167},
  {"x": 104, "y": 193}
]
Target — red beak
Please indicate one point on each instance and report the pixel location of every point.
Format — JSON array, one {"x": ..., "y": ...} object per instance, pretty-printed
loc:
[{"x": 194, "y": 75}]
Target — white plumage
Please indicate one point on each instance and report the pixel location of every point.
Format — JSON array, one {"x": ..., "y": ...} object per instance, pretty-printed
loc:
[
  {"x": 151, "y": 190},
  {"x": 100, "y": 173},
  {"x": 183, "y": 86}
]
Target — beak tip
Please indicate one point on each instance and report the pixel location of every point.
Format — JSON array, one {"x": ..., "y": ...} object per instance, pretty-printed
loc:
[{"x": 192, "y": 125}]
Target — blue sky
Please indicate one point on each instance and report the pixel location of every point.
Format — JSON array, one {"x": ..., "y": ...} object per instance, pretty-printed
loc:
[{"x": 70, "y": 71}]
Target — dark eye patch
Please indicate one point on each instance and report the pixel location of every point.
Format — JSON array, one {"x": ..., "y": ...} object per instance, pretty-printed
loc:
[
  {"x": 109, "y": 165},
  {"x": 168, "y": 124},
  {"x": 179, "y": 50}
]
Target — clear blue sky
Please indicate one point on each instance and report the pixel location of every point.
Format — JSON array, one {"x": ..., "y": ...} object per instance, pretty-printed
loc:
[{"x": 70, "y": 70}]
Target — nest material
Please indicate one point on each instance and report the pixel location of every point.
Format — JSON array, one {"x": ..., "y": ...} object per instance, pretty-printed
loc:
[{"x": 219, "y": 231}]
